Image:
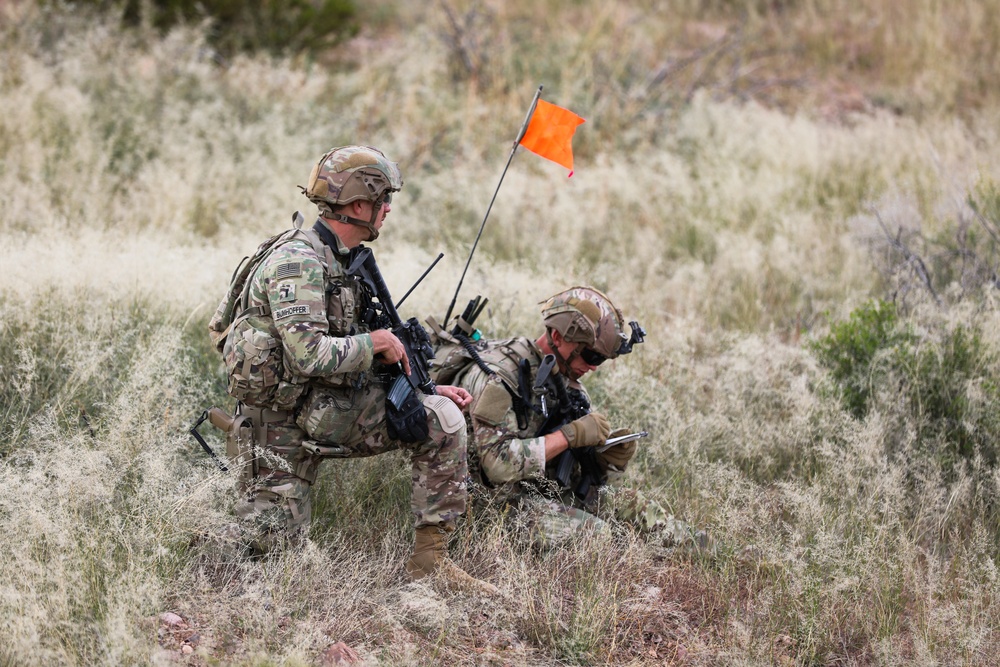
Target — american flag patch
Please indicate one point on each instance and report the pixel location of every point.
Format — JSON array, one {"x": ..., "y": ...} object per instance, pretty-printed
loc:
[{"x": 289, "y": 270}]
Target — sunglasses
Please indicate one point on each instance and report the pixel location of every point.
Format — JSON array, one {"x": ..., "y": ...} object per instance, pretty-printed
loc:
[
  {"x": 592, "y": 357},
  {"x": 387, "y": 198}
]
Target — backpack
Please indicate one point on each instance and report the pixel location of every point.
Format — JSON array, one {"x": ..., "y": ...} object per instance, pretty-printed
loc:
[{"x": 256, "y": 372}]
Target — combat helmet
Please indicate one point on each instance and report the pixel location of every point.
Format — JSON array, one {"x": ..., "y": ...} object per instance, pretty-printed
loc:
[
  {"x": 349, "y": 173},
  {"x": 586, "y": 315}
]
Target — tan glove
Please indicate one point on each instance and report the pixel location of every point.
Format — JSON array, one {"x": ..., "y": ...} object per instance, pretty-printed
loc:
[
  {"x": 587, "y": 431},
  {"x": 618, "y": 455}
]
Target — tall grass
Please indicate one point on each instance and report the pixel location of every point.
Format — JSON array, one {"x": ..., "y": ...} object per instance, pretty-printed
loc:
[{"x": 741, "y": 228}]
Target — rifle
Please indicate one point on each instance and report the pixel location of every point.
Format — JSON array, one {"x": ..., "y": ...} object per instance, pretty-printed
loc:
[
  {"x": 571, "y": 404},
  {"x": 413, "y": 336}
]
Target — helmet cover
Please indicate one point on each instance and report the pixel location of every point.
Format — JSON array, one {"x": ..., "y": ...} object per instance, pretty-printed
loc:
[
  {"x": 586, "y": 315},
  {"x": 349, "y": 173}
]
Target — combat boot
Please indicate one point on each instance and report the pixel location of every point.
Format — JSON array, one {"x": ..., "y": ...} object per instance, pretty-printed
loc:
[{"x": 430, "y": 557}]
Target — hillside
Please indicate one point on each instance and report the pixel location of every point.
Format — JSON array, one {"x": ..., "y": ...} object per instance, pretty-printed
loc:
[{"x": 798, "y": 199}]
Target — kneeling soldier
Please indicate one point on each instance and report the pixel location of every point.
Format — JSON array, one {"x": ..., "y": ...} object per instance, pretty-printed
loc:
[{"x": 299, "y": 331}]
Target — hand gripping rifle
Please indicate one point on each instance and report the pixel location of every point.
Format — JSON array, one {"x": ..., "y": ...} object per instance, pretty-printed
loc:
[{"x": 409, "y": 422}]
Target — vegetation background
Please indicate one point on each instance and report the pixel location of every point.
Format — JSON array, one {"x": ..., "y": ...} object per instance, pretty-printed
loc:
[{"x": 798, "y": 198}]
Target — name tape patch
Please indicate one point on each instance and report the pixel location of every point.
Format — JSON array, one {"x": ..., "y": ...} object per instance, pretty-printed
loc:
[{"x": 291, "y": 310}]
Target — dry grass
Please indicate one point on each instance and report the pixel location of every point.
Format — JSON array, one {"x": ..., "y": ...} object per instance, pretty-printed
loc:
[{"x": 727, "y": 201}]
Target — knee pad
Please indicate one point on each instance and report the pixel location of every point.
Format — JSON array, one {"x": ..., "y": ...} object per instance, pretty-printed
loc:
[{"x": 448, "y": 414}]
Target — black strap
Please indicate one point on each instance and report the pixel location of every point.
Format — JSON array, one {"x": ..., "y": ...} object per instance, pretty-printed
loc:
[{"x": 325, "y": 235}]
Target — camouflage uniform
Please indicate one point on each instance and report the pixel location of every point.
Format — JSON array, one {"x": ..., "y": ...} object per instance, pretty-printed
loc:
[
  {"x": 303, "y": 338},
  {"x": 507, "y": 463}
]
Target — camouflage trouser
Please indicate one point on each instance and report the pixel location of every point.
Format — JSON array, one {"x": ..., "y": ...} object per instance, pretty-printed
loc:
[
  {"x": 353, "y": 422},
  {"x": 552, "y": 522}
]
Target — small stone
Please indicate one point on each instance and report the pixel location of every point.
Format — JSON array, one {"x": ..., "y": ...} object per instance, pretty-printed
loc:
[
  {"x": 339, "y": 654},
  {"x": 171, "y": 619},
  {"x": 187, "y": 649}
]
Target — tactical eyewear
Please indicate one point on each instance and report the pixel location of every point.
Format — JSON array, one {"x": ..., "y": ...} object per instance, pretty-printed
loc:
[
  {"x": 592, "y": 357},
  {"x": 387, "y": 198}
]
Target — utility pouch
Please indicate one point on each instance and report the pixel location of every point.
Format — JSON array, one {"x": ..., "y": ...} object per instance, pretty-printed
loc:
[
  {"x": 405, "y": 415},
  {"x": 256, "y": 372},
  {"x": 329, "y": 415}
]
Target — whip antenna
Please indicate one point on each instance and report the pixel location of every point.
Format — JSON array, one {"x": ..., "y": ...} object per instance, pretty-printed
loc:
[
  {"x": 420, "y": 279},
  {"x": 520, "y": 135}
]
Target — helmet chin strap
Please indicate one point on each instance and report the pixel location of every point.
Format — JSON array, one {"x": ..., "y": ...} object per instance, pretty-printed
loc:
[
  {"x": 561, "y": 362},
  {"x": 370, "y": 225}
]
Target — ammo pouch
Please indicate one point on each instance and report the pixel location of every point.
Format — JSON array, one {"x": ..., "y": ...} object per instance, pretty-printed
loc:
[
  {"x": 405, "y": 415},
  {"x": 256, "y": 373}
]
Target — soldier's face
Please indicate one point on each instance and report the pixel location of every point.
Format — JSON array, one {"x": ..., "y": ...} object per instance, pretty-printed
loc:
[{"x": 577, "y": 367}]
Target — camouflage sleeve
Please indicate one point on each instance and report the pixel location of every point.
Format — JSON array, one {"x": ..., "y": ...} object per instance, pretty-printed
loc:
[
  {"x": 503, "y": 452},
  {"x": 291, "y": 281}
]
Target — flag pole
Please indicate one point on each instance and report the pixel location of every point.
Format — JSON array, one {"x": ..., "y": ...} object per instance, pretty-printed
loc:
[{"x": 520, "y": 135}]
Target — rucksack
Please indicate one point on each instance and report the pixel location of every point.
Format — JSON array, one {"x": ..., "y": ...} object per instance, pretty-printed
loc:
[{"x": 253, "y": 357}]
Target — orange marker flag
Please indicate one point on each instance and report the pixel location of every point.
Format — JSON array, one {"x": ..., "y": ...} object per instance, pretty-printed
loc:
[{"x": 550, "y": 133}]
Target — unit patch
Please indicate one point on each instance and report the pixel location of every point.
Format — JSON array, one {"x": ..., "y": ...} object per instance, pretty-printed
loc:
[
  {"x": 286, "y": 292},
  {"x": 291, "y": 310},
  {"x": 289, "y": 270}
]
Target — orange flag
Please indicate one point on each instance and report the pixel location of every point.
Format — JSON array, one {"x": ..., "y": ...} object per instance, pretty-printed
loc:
[{"x": 550, "y": 133}]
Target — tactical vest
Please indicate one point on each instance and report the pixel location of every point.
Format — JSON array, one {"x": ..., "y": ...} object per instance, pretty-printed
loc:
[
  {"x": 452, "y": 360},
  {"x": 250, "y": 342}
]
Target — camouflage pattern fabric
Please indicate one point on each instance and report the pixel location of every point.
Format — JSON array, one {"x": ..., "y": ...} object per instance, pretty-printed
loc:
[
  {"x": 316, "y": 341},
  {"x": 308, "y": 303},
  {"x": 507, "y": 465},
  {"x": 279, "y": 504},
  {"x": 586, "y": 315},
  {"x": 553, "y": 522}
]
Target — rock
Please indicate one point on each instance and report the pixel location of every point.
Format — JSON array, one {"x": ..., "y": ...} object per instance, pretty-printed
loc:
[
  {"x": 339, "y": 654},
  {"x": 171, "y": 619}
]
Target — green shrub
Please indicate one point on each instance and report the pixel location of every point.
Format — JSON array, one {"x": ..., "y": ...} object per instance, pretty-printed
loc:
[
  {"x": 851, "y": 349},
  {"x": 937, "y": 388},
  {"x": 934, "y": 376},
  {"x": 277, "y": 26}
]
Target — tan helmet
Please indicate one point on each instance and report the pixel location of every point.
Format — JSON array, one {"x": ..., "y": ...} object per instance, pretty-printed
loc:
[
  {"x": 586, "y": 315},
  {"x": 349, "y": 173}
]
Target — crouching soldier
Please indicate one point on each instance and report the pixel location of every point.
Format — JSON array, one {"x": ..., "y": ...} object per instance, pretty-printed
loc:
[
  {"x": 535, "y": 443},
  {"x": 302, "y": 333}
]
